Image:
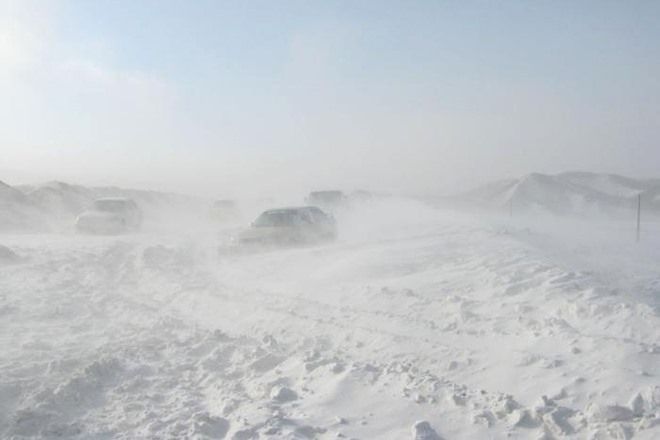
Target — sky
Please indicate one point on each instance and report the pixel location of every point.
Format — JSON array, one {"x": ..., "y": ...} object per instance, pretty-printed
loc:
[{"x": 225, "y": 98}]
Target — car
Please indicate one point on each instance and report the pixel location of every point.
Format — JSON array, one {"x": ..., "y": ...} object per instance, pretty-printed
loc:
[
  {"x": 290, "y": 226},
  {"x": 224, "y": 211},
  {"x": 328, "y": 200},
  {"x": 110, "y": 215},
  {"x": 361, "y": 196}
]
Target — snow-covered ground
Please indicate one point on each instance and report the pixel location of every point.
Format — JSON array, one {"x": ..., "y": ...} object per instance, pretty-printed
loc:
[{"x": 417, "y": 323}]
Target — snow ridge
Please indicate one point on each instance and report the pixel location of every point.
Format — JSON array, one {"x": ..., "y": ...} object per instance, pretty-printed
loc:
[{"x": 567, "y": 193}]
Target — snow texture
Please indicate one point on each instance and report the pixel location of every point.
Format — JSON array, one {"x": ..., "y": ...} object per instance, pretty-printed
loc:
[
  {"x": 417, "y": 323},
  {"x": 572, "y": 193}
]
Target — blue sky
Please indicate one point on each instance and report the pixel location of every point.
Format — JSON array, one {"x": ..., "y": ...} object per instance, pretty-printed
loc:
[{"x": 420, "y": 97}]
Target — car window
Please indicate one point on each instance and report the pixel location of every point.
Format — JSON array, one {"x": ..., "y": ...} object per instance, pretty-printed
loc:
[
  {"x": 315, "y": 214},
  {"x": 279, "y": 219}
]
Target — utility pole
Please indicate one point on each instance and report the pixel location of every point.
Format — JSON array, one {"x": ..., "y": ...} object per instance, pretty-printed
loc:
[{"x": 639, "y": 213}]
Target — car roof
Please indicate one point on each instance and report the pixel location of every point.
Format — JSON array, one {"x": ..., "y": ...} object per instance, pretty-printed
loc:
[
  {"x": 114, "y": 199},
  {"x": 313, "y": 208},
  {"x": 292, "y": 209},
  {"x": 286, "y": 209},
  {"x": 327, "y": 192}
]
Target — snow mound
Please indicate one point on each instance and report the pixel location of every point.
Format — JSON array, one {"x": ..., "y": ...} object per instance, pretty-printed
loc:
[
  {"x": 283, "y": 394},
  {"x": 567, "y": 193},
  {"x": 7, "y": 256},
  {"x": 17, "y": 211},
  {"x": 422, "y": 430},
  {"x": 60, "y": 200}
]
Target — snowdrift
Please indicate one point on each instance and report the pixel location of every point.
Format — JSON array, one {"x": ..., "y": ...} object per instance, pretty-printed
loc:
[
  {"x": 572, "y": 193},
  {"x": 17, "y": 211}
]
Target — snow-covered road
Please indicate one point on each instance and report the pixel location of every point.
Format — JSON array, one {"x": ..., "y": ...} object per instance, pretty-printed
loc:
[{"x": 482, "y": 329}]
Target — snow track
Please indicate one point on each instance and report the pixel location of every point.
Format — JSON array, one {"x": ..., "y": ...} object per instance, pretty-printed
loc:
[{"x": 484, "y": 332}]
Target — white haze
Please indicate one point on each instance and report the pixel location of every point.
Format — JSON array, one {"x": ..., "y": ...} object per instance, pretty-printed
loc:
[
  {"x": 463, "y": 286},
  {"x": 73, "y": 111}
]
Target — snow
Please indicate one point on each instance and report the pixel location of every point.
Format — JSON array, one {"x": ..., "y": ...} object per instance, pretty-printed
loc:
[
  {"x": 586, "y": 194},
  {"x": 53, "y": 206},
  {"x": 423, "y": 431},
  {"x": 607, "y": 184},
  {"x": 7, "y": 256},
  {"x": 417, "y": 323}
]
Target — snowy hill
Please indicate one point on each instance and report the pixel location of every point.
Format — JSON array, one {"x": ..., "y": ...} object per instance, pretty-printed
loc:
[
  {"x": 567, "y": 193},
  {"x": 17, "y": 212},
  {"x": 54, "y": 205},
  {"x": 59, "y": 201}
]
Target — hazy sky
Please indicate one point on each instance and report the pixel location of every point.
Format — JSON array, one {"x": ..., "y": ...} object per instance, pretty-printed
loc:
[{"x": 224, "y": 98}]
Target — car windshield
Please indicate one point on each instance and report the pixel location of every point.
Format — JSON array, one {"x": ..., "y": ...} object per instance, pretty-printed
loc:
[
  {"x": 111, "y": 205},
  {"x": 278, "y": 219},
  {"x": 316, "y": 213}
]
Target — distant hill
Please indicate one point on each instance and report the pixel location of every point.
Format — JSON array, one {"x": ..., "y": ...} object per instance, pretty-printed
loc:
[
  {"x": 17, "y": 211},
  {"x": 566, "y": 193},
  {"x": 54, "y": 205}
]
